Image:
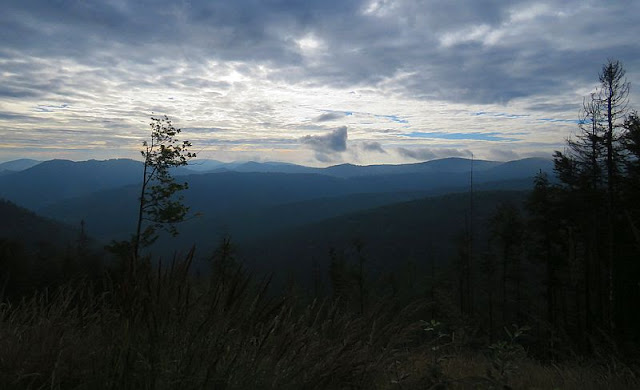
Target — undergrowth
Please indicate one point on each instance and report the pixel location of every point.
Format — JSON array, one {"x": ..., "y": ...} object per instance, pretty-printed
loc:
[{"x": 161, "y": 328}]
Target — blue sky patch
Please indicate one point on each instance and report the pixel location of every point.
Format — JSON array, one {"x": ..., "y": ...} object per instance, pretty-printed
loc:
[
  {"x": 499, "y": 115},
  {"x": 50, "y": 107},
  {"x": 461, "y": 136},
  {"x": 393, "y": 118},
  {"x": 576, "y": 121}
]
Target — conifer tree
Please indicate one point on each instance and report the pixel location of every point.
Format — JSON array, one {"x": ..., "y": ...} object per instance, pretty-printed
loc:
[
  {"x": 507, "y": 230},
  {"x": 614, "y": 97},
  {"x": 631, "y": 184}
]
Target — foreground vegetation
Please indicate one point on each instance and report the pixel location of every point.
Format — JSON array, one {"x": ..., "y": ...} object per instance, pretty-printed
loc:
[{"x": 162, "y": 328}]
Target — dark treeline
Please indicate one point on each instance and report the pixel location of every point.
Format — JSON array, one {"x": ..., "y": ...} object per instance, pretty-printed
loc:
[
  {"x": 591, "y": 236},
  {"x": 37, "y": 253},
  {"x": 567, "y": 262}
]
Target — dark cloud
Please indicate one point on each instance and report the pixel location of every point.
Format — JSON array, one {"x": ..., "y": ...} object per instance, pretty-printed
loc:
[
  {"x": 424, "y": 154},
  {"x": 371, "y": 146},
  {"x": 550, "y": 107},
  {"x": 329, "y": 116},
  {"x": 471, "y": 51},
  {"x": 333, "y": 142},
  {"x": 18, "y": 93}
]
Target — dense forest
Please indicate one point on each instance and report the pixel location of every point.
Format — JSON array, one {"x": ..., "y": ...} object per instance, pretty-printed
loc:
[{"x": 356, "y": 280}]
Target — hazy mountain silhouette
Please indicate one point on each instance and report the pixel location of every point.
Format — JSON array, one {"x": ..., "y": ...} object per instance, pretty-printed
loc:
[
  {"x": 207, "y": 165},
  {"x": 248, "y": 204},
  {"x": 55, "y": 180},
  {"x": 273, "y": 167},
  {"x": 446, "y": 165},
  {"x": 240, "y": 205},
  {"x": 515, "y": 169},
  {"x": 113, "y": 212},
  {"x": 17, "y": 165},
  {"x": 457, "y": 165},
  {"x": 204, "y": 165}
]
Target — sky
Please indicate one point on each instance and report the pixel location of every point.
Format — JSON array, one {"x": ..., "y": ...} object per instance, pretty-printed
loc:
[{"x": 309, "y": 82}]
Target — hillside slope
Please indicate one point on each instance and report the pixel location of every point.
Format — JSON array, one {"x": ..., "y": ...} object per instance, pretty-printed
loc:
[{"x": 418, "y": 231}]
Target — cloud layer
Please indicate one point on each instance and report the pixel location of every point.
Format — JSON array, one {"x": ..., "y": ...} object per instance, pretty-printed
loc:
[
  {"x": 81, "y": 78},
  {"x": 328, "y": 145}
]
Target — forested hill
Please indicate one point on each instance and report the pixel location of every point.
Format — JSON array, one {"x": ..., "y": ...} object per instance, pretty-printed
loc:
[
  {"x": 37, "y": 252},
  {"x": 21, "y": 225},
  {"x": 58, "y": 180},
  {"x": 241, "y": 203},
  {"x": 55, "y": 180},
  {"x": 419, "y": 231},
  {"x": 17, "y": 165}
]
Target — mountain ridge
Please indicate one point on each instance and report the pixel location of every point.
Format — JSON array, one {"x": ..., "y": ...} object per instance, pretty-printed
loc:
[{"x": 57, "y": 180}]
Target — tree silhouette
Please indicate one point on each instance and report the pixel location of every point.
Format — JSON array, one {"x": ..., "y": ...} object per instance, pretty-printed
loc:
[
  {"x": 631, "y": 184},
  {"x": 507, "y": 229},
  {"x": 595, "y": 206},
  {"x": 614, "y": 97},
  {"x": 159, "y": 207},
  {"x": 543, "y": 230}
]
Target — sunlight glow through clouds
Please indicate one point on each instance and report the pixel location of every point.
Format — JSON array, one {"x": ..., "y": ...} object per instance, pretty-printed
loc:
[
  {"x": 244, "y": 107},
  {"x": 253, "y": 79},
  {"x": 309, "y": 44}
]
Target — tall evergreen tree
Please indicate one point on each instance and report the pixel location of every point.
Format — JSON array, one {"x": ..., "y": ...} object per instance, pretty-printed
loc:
[
  {"x": 599, "y": 174},
  {"x": 614, "y": 94},
  {"x": 543, "y": 226},
  {"x": 507, "y": 230}
]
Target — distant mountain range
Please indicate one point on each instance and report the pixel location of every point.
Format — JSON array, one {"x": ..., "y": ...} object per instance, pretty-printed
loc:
[
  {"x": 17, "y": 165},
  {"x": 45, "y": 183},
  {"x": 290, "y": 206},
  {"x": 248, "y": 200},
  {"x": 55, "y": 180},
  {"x": 446, "y": 165}
]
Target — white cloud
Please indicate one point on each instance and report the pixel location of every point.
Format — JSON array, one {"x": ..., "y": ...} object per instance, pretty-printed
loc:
[{"x": 268, "y": 75}]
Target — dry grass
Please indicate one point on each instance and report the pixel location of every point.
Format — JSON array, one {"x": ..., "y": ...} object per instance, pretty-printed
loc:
[
  {"x": 161, "y": 330},
  {"x": 469, "y": 370}
]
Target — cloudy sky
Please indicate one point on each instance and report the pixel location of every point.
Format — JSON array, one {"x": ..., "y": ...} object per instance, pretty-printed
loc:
[{"x": 311, "y": 82}]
